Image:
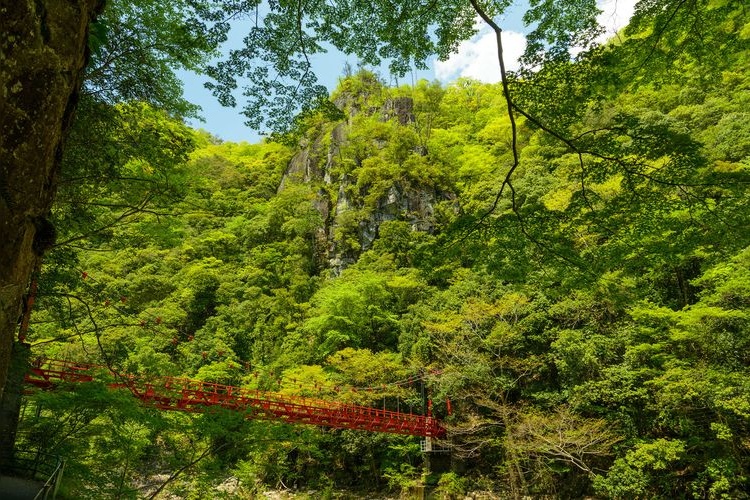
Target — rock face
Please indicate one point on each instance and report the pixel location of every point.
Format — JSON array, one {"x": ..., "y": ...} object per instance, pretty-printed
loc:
[
  {"x": 402, "y": 108},
  {"x": 340, "y": 199},
  {"x": 415, "y": 205}
]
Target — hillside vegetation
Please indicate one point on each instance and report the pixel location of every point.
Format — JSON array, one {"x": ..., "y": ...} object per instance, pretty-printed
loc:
[{"x": 589, "y": 326}]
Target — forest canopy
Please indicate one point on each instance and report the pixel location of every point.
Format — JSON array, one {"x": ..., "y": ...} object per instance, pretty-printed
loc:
[{"x": 562, "y": 259}]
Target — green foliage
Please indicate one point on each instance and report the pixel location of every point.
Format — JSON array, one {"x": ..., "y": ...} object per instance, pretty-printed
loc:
[
  {"x": 638, "y": 473},
  {"x": 451, "y": 485},
  {"x": 433, "y": 29},
  {"x": 590, "y": 326},
  {"x": 361, "y": 309},
  {"x": 138, "y": 45},
  {"x": 109, "y": 435},
  {"x": 403, "y": 479}
]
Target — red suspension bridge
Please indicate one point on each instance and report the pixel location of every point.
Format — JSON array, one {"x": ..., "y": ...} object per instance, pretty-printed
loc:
[{"x": 182, "y": 394}]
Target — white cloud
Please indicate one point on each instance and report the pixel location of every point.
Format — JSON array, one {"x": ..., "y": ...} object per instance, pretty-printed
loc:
[
  {"x": 477, "y": 57},
  {"x": 615, "y": 16}
]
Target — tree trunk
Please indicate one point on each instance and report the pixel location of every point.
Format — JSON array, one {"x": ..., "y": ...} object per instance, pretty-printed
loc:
[
  {"x": 43, "y": 50},
  {"x": 10, "y": 403}
]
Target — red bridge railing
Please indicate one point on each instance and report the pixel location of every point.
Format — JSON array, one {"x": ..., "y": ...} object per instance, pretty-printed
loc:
[{"x": 182, "y": 394}]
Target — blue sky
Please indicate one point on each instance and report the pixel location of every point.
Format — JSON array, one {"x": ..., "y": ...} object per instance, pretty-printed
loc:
[{"x": 476, "y": 58}]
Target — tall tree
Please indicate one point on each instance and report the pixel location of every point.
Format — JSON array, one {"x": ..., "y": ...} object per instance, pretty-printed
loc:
[
  {"x": 43, "y": 52},
  {"x": 134, "y": 48}
]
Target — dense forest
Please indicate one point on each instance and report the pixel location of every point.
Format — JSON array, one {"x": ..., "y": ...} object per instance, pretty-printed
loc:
[{"x": 567, "y": 274}]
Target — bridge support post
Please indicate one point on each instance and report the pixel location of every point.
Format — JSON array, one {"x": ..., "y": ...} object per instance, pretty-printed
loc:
[
  {"x": 437, "y": 463},
  {"x": 437, "y": 458},
  {"x": 10, "y": 404}
]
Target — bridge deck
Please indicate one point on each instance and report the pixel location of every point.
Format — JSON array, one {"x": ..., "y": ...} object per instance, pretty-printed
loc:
[{"x": 182, "y": 394}]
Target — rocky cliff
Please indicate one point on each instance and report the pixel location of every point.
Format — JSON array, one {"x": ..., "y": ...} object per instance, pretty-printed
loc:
[{"x": 353, "y": 210}]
